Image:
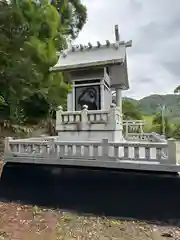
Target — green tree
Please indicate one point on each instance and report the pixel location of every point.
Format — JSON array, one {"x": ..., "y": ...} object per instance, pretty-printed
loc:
[
  {"x": 176, "y": 131},
  {"x": 130, "y": 111},
  {"x": 177, "y": 89},
  {"x": 16, "y": 71},
  {"x": 41, "y": 47},
  {"x": 73, "y": 16},
  {"x": 158, "y": 124},
  {"x": 30, "y": 33}
]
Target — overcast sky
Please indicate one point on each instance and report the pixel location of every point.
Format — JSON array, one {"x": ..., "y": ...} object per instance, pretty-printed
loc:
[{"x": 154, "y": 28}]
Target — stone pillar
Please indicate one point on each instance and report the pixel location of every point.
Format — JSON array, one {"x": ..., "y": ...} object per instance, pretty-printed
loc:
[
  {"x": 59, "y": 118},
  {"x": 115, "y": 123},
  {"x": 84, "y": 118},
  {"x": 73, "y": 98},
  {"x": 70, "y": 101},
  {"x": 173, "y": 151},
  {"x": 7, "y": 148},
  {"x": 119, "y": 98},
  {"x": 102, "y": 96}
]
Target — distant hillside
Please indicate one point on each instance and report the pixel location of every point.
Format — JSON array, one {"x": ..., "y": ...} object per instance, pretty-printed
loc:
[{"x": 150, "y": 104}]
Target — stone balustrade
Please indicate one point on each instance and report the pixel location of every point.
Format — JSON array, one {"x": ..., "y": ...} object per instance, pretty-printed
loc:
[
  {"x": 149, "y": 156},
  {"x": 88, "y": 119},
  {"x": 151, "y": 137},
  {"x": 70, "y": 117},
  {"x": 98, "y": 116},
  {"x": 110, "y": 150},
  {"x": 133, "y": 126},
  {"x": 133, "y": 122}
]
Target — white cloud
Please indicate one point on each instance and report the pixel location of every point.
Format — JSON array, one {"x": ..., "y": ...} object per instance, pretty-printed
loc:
[{"x": 154, "y": 27}]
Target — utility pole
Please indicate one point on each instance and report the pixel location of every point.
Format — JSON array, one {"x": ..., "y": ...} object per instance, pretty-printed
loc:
[{"x": 163, "y": 108}]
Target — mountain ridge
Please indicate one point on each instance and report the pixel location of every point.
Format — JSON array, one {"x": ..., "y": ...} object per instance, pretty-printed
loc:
[{"x": 150, "y": 105}]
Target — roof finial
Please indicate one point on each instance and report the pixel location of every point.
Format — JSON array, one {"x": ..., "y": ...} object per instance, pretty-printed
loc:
[
  {"x": 81, "y": 47},
  {"x": 90, "y": 45},
  {"x": 128, "y": 44},
  {"x": 117, "y": 36},
  {"x": 98, "y": 44},
  {"x": 107, "y": 43}
]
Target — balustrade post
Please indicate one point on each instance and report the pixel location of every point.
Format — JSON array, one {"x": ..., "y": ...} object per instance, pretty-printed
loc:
[
  {"x": 84, "y": 117},
  {"x": 141, "y": 128},
  {"x": 173, "y": 151},
  {"x": 51, "y": 145},
  {"x": 7, "y": 148},
  {"x": 59, "y": 118},
  {"x": 112, "y": 117}
]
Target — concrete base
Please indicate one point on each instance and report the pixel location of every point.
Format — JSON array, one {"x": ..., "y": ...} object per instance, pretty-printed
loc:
[
  {"x": 114, "y": 136},
  {"x": 126, "y": 164}
]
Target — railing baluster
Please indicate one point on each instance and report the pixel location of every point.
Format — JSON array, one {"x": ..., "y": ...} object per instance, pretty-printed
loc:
[
  {"x": 158, "y": 154},
  {"x": 10, "y": 148},
  {"x": 78, "y": 151},
  {"x": 95, "y": 150},
  {"x": 95, "y": 117},
  {"x": 66, "y": 118},
  {"x": 37, "y": 148},
  {"x": 136, "y": 152},
  {"x": 15, "y": 148},
  {"x": 116, "y": 151},
  {"x": 91, "y": 117},
  {"x": 70, "y": 150},
  {"x": 126, "y": 152},
  {"x": 22, "y": 148},
  {"x": 62, "y": 150},
  {"x": 44, "y": 149},
  {"x": 56, "y": 150},
  {"x": 29, "y": 148},
  {"x": 147, "y": 153},
  {"x": 86, "y": 151},
  {"x": 71, "y": 118}
]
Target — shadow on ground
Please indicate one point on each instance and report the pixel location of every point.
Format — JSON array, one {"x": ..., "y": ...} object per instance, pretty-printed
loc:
[{"x": 119, "y": 194}]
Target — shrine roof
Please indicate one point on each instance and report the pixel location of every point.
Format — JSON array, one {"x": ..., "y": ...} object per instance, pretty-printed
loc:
[{"x": 81, "y": 56}]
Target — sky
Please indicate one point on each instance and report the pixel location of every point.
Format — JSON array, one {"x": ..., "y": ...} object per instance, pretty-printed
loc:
[{"x": 154, "y": 28}]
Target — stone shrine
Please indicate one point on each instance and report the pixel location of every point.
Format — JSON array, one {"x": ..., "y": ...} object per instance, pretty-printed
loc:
[
  {"x": 94, "y": 71},
  {"x": 90, "y": 132}
]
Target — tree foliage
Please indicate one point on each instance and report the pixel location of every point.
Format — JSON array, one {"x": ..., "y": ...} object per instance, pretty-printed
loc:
[
  {"x": 73, "y": 16},
  {"x": 158, "y": 124},
  {"x": 150, "y": 105},
  {"x": 31, "y": 32},
  {"x": 130, "y": 110},
  {"x": 176, "y": 131}
]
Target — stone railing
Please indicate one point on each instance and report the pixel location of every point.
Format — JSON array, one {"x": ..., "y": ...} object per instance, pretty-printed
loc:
[
  {"x": 88, "y": 119},
  {"x": 98, "y": 116},
  {"x": 67, "y": 117},
  {"x": 104, "y": 151},
  {"x": 41, "y": 138},
  {"x": 150, "y": 137},
  {"x": 159, "y": 138},
  {"x": 133, "y": 126}
]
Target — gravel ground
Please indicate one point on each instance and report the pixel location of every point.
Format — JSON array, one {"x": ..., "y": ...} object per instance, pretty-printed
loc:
[{"x": 84, "y": 204}]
